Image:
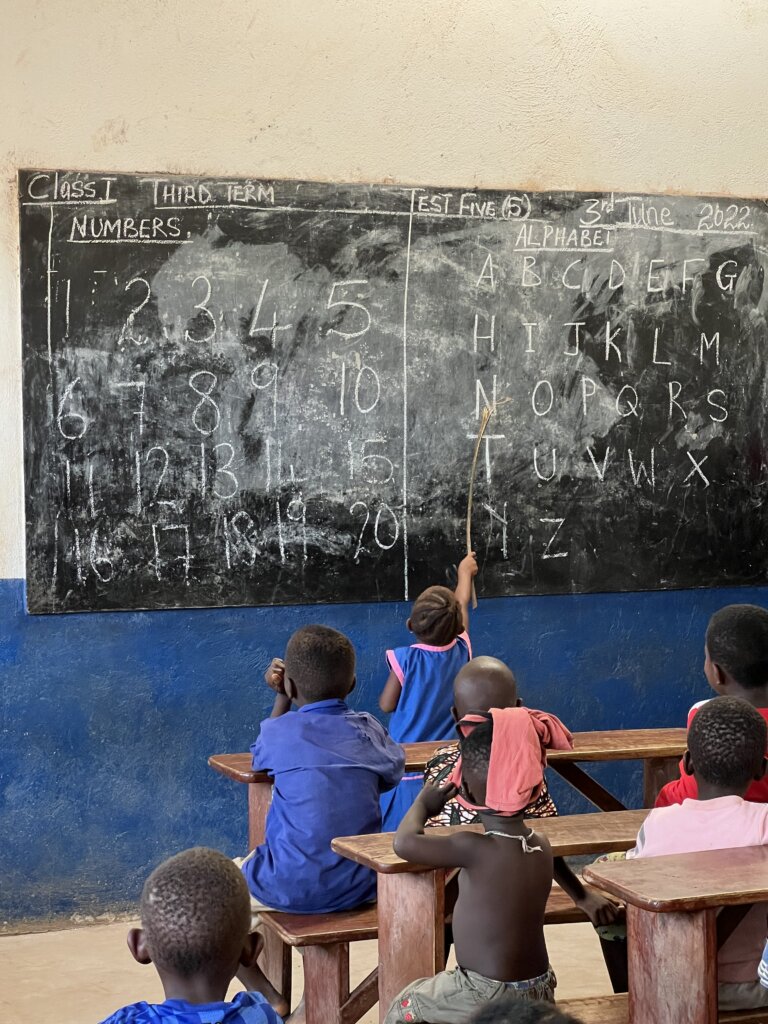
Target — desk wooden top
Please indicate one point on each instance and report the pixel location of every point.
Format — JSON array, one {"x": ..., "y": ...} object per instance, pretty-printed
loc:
[
  {"x": 689, "y": 881},
  {"x": 238, "y": 766},
  {"x": 623, "y": 745},
  {"x": 613, "y": 745},
  {"x": 571, "y": 835}
]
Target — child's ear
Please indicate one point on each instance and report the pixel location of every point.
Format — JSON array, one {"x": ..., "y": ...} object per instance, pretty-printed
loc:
[
  {"x": 519, "y": 702},
  {"x": 719, "y": 678},
  {"x": 251, "y": 950},
  {"x": 290, "y": 688},
  {"x": 137, "y": 944},
  {"x": 352, "y": 685},
  {"x": 763, "y": 766},
  {"x": 688, "y": 764},
  {"x": 408, "y": 625}
]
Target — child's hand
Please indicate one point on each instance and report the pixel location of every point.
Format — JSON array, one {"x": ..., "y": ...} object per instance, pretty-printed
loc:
[
  {"x": 434, "y": 798},
  {"x": 468, "y": 566},
  {"x": 599, "y": 910},
  {"x": 275, "y": 675}
]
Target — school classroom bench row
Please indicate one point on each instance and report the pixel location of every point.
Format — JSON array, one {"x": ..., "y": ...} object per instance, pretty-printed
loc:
[{"x": 409, "y": 893}]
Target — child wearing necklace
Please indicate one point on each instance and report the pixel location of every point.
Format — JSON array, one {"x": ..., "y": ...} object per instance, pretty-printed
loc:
[{"x": 506, "y": 872}]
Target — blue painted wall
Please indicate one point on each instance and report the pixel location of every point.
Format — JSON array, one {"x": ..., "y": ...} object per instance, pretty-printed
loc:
[{"x": 107, "y": 719}]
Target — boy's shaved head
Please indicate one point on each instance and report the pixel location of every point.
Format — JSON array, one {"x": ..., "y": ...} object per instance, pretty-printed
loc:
[
  {"x": 321, "y": 661},
  {"x": 737, "y": 641},
  {"x": 482, "y": 684},
  {"x": 727, "y": 741},
  {"x": 196, "y": 913}
]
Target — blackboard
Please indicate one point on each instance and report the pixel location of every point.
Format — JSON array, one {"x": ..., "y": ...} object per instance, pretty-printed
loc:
[{"x": 262, "y": 392}]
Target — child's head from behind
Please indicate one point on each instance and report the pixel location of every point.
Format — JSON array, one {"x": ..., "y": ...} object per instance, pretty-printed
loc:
[
  {"x": 436, "y": 617},
  {"x": 475, "y": 750},
  {"x": 510, "y": 1009},
  {"x": 726, "y": 745},
  {"x": 195, "y": 917},
  {"x": 736, "y": 653},
  {"x": 319, "y": 665},
  {"x": 483, "y": 683}
]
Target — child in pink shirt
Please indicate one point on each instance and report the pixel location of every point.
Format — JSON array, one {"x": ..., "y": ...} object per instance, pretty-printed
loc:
[{"x": 726, "y": 753}]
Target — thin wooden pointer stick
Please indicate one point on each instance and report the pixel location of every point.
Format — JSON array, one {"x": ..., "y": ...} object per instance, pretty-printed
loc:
[
  {"x": 487, "y": 413},
  {"x": 470, "y": 494}
]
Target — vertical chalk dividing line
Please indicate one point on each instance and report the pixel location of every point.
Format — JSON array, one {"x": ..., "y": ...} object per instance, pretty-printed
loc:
[
  {"x": 48, "y": 273},
  {"x": 405, "y": 399}
]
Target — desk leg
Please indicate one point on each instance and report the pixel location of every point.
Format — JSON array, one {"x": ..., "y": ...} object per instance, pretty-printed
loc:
[
  {"x": 259, "y": 799},
  {"x": 587, "y": 786},
  {"x": 672, "y": 967},
  {"x": 411, "y": 930},
  {"x": 657, "y": 772}
]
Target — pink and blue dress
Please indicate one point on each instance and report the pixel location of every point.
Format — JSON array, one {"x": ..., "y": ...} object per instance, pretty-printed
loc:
[{"x": 426, "y": 675}]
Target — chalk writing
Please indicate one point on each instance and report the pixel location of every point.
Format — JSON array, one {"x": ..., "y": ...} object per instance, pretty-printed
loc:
[{"x": 252, "y": 391}]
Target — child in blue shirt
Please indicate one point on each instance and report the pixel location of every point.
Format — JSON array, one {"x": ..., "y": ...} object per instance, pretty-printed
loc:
[
  {"x": 195, "y": 920},
  {"x": 330, "y": 766},
  {"x": 419, "y": 690}
]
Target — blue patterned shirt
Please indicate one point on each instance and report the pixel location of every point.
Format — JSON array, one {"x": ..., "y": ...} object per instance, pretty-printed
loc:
[{"x": 245, "y": 1008}]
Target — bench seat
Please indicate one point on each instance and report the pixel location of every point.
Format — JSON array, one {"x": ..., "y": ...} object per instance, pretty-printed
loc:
[
  {"x": 324, "y": 929},
  {"x": 324, "y": 940},
  {"x": 615, "y": 1010},
  {"x": 362, "y": 923}
]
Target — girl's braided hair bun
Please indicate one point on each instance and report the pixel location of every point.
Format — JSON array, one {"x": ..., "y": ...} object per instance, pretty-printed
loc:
[{"x": 436, "y": 617}]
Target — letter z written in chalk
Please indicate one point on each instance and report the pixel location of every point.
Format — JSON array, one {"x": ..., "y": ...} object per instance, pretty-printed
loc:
[{"x": 558, "y": 525}]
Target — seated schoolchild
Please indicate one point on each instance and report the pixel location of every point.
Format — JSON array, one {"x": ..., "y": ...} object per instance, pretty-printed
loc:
[
  {"x": 506, "y": 872},
  {"x": 330, "y": 765},
  {"x": 485, "y": 683},
  {"x": 195, "y": 923},
  {"x": 726, "y": 753},
  {"x": 736, "y": 665}
]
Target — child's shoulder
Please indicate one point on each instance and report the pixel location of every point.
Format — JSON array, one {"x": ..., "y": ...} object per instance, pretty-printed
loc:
[
  {"x": 135, "y": 1013},
  {"x": 245, "y": 1008}
]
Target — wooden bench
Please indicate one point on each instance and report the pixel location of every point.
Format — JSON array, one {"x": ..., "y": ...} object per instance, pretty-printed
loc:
[
  {"x": 413, "y": 892},
  {"x": 615, "y": 1010},
  {"x": 324, "y": 940},
  {"x": 672, "y": 904}
]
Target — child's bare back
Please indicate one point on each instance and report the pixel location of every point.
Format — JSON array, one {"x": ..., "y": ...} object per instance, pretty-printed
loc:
[
  {"x": 506, "y": 877},
  {"x": 505, "y": 872}
]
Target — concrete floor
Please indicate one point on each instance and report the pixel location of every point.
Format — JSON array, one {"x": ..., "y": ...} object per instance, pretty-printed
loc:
[{"x": 81, "y": 975}]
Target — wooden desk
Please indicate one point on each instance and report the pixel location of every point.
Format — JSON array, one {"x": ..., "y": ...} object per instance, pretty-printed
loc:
[
  {"x": 411, "y": 897},
  {"x": 658, "y": 749},
  {"x": 238, "y": 768},
  {"x": 672, "y": 905}
]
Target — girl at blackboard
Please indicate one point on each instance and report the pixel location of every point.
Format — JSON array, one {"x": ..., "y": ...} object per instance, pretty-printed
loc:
[{"x": 419, "y": 690}]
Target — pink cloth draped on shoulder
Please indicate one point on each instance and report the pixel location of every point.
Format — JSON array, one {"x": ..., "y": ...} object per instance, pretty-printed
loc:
[{"x": 521, "y": 738}]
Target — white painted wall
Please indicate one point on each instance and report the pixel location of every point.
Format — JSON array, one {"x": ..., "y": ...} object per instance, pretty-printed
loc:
[{"x": 617, "y": 94}]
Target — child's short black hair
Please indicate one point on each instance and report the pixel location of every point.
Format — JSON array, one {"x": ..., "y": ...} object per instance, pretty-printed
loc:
[
  {"x": 436, "y": 616},
  {"x": 511, "y": 1009},
  {"x": 737, "y": 641},
  {"x": 321, "y": 662},
  {"x": 476, "y": 748},
  {"x": 727, "y": 740},
  {"x": 195, "y": 912}
]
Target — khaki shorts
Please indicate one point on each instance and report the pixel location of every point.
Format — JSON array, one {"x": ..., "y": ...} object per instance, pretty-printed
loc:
[
  {"x": 257, "y": 907},
  {"x": 452, "y": 997}
]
